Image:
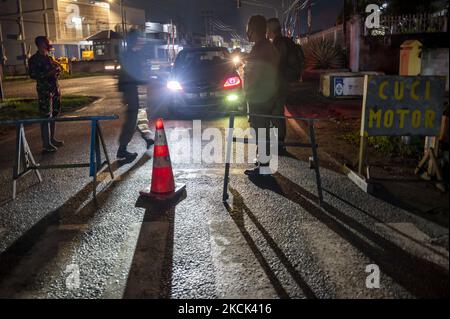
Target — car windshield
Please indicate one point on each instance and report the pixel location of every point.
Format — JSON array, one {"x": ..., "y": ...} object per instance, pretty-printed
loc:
[{"x": 196, "y": 59}]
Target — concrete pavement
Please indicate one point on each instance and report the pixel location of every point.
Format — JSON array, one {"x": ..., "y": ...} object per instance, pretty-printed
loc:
[{"x": 272, "y": 241}]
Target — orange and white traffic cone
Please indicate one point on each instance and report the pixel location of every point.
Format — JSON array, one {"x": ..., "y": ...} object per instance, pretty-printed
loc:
[{"x": 163, "y": 186}]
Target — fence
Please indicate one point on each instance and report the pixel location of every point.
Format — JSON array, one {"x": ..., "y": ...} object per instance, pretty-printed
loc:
[
  {"x": 390, "y": 25},
  {"x": 334, "y": 35},
  {"x": 411, "y": 23}
]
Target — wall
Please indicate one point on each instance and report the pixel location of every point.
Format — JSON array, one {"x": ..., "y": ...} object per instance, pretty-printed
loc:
[
  {"x": 334, "y": 35},
  {"x": 34, "y": 26},
  {"x": 78, "y": 20},
  {"x": 435, "y": 62},
  {"x": 382, "y": 53},
  {"x": 377, "y": 55},
  {"x": 135, "y": 18},
  {"x": 90, "y": 66}
]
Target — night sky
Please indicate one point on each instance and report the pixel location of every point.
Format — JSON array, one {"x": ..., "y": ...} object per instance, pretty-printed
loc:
[{"x": 188, "y": 11}]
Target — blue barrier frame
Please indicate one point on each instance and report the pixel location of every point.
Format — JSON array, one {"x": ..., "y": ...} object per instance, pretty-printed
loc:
[{"x": 25, "y": 163}]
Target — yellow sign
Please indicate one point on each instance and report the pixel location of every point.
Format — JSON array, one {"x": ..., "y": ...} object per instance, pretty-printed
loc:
[
  {"x": 402, "y": 106},
  {"x": 87, "y": 55}
]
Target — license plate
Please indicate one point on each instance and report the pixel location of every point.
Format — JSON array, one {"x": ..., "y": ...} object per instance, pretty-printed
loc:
[{"x": 207, "y": 94}]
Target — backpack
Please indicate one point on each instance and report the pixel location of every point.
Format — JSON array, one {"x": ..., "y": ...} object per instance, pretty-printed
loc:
[{"x": 295, "y": 61}]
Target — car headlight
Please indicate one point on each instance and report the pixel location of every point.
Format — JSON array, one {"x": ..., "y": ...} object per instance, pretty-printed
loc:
[
  {"x": 174, "y": 86},
  {"x": 232, "y": 98}
]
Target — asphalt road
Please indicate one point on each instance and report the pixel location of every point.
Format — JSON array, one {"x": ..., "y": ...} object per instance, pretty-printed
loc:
[{"x": 271, "y": 241}]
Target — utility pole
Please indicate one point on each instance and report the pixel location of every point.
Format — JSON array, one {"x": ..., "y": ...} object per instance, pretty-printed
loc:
[
  {"x": 44, "y": 7},
  {"x": 344, "y": 17},
  {"x": 2, "y": 63},
  {"x": 22, "y": 33},
  {"x": 344, "y": 25},
  {"x": 298, "y": 25},
  {"x": 309, "y": 18},
  {"x": 207, "y": 16},
  {"x": 122, "y": 13}
]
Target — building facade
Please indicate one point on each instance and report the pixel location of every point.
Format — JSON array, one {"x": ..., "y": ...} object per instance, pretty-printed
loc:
[{"x": 67, "y": 23}]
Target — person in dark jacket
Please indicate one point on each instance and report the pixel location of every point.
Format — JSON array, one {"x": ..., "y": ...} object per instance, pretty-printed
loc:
[
  {"x": 43, "y": 68},
  {"x": 261, "y": 85},
  {"x": 274, "y": 34},
  {"x": 130, "y": 78}
]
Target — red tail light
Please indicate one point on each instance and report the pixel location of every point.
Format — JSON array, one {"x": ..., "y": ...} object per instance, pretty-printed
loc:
[{"x": 232, "y": 82}]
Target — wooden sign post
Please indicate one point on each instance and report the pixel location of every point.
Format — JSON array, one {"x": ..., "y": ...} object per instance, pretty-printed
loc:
[{"x": 400, "y": 106}]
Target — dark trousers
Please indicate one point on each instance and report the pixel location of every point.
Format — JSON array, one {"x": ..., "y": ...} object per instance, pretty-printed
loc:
[
  {"x": 49, "y": 102},
  {"x": 278, "y": 110},
  {"x": 257, "y": 122},
  {"x": 131, "y": 101}
]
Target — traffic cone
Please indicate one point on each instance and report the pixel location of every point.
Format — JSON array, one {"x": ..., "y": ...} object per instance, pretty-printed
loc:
[{"x": 163, "y": 186}]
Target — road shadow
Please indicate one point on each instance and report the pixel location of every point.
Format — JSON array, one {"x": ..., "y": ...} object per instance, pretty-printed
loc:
[
  {"x": 237, "y": 213},
  {"x": 437, "y": 202},
  {"x": 150, "y": 275},
  {"x": 419, "y": 276},
  {"x": 38, "y": 247},
  {"x": 115, "y": 166},
  {"x": 378, "y": 220}
]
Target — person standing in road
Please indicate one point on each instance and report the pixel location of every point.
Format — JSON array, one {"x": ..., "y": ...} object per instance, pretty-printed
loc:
[
  {"x": 261, "y": 85},
  {"x": 290, "y": 69},
  {"x": 130, "y": 78},
  {"x": 43, "y": 68}
]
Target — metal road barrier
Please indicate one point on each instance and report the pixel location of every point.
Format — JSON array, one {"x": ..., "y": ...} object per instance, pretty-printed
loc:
[
  {"x": 25, "y": 163},
  {"x": 231, "y": 139}
]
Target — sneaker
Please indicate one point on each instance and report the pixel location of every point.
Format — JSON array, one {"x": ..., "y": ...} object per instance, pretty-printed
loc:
[
  {"x": 150, "y": 142},
  {"x": 49, "y": 149},
  {"x": 57, "y": 143},
  {"x": 256, "y": 173},
  {"x": 124, "y": 154}
]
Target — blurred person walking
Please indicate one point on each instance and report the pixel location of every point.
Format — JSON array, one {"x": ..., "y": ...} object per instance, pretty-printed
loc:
[{"x": 131, "y": 76}]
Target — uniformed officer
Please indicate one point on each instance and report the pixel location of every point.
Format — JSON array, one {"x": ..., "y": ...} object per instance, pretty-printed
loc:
[
  {"x": 261, "y": 85},
  {"x": 45, "y": 70},
  {"x": 131, "y": 76}
]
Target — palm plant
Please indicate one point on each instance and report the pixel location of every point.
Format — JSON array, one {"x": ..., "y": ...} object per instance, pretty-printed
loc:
[{"x": 322, "y": 54}]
